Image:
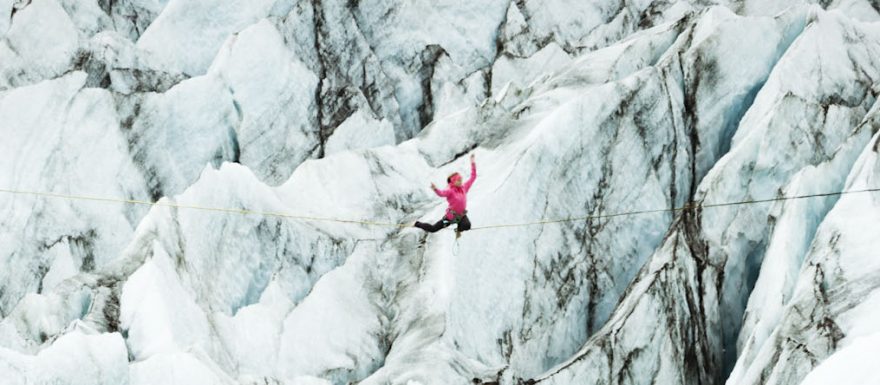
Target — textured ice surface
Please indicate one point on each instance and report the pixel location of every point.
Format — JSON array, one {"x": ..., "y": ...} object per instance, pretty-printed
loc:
[{"x": 302, "y": 111}]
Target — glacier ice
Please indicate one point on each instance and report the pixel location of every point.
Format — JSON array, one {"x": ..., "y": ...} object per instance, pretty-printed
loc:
[
  {"x": 309, "y": 131},
  {"x": 40, "y": 43}
]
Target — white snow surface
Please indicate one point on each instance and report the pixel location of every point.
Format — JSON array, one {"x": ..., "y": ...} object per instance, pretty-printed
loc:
[{"x": 288, "y": 147}]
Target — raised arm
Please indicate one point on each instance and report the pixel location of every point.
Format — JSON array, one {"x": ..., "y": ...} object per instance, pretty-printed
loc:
[{"x": 470, "y": 181}]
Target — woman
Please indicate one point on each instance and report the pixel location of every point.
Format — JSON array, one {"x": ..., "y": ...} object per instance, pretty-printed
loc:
[{"x": 456, "y": 197}]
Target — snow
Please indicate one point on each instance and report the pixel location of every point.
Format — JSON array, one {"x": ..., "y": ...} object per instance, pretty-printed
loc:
[
  {"x": 514, "y": 33},
  {"x": 173, "y": 321},
  {"x": 54, "y": 157},
  {"x": 360, "y": 131},
  {"x": 129, "y": 70},
  {"x": 639, "y": 51},
  {"x": 861, "y": 10},
  {"x": 333, "y": 333},
  {"x": 252, "y": 334},
  {"x": 41, "y": 43},
  {"x": 569, "y": 21},
  {"x": 309, "y": 133},
  {"x": 274, "y": 95},
  {"x": 43, "y": 316},
  {"x": 854, "y": 364},
  {"x": 847, "y": 304},
  {"x": 75, "y": 358},
  {"x": 579, "y": 27},
  {"x": 186, "y": 36},
  {"x": 5, "y": 9},
  {"x": 131, "y": 17},
  {"x": 548, "y": 60},
  {"x": 177, "y": 133},
  {"x": 768, "y": 8},
  {"x": 465, "y": 30},
  {"x": 794, "y": 229},
  {"x": 87, "y": 16},
  {"x": 783, "y": 260},
  {"x": 63, "y": 265},
  {"x": 176, "y": 369}
]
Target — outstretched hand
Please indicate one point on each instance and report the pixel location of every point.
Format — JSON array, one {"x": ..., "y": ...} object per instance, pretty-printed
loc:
[
  {"x": 433, "y": 186},
  {"x": 472, "y": 158}
]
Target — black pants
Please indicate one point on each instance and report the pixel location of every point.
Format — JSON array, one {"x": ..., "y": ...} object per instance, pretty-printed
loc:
[{"x": 464, "y": 224}]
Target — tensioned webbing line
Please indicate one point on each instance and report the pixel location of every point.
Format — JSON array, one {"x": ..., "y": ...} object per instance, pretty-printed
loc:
[
  {"x": 689, "y": 206},
  {"x": 196, "y": 207}
]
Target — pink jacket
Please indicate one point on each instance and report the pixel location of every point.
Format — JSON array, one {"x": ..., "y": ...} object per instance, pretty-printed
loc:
[{"x": 456, "y": 196}]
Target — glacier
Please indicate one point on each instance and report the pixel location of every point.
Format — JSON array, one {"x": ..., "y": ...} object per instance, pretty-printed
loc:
[{"x": 286, "y": 148}]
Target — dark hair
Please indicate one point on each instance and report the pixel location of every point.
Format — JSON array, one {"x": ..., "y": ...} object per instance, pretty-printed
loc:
[{"x": 449, "y": 178}]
